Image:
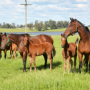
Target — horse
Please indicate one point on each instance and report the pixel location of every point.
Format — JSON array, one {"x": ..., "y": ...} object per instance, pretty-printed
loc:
[
  {"x": 18, "y": 40},
  {"x": 13, "y": 47},
  {"x": 3, "y": 49},
  {"x": 34, "y": 50},
  {"x": 0, "y": 44},
  {"x": 84, "y": 44},
  {"x": 69, "y": 51}
]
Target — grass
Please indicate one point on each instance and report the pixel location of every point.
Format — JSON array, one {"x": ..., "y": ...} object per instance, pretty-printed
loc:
[
  {"x": 28, "y": 30},
  {"x": 13, "y": 78}
]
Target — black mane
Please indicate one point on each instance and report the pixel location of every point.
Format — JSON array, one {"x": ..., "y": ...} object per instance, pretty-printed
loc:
[{"x": 86, "y": 28}]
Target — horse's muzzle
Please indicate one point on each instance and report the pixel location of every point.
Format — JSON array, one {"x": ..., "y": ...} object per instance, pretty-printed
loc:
[{"x": 62, "y": 46}]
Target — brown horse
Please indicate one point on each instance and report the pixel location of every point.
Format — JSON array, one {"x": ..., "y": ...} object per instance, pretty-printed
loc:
[
  {"x": 13, "y": 47},
  {"x": 3, "y": 49},
  {"x": 69, "y": 51},
  {"x": 38, "y": 49},
  {"x": 84, "y": 44},
  {"x": 18, "y": 40},
  {"x": 0, "y": 44}
]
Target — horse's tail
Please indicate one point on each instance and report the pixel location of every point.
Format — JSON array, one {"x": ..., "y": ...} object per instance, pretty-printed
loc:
[
  {"x": 54, "y": 51},
  {"x": 77, "y": 40}
]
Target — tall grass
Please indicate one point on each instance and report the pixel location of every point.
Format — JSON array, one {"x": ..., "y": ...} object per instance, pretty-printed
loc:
[{"x": 13, "y": 78}]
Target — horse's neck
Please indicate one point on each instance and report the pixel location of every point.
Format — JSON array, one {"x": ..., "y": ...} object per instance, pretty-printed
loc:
[
  {"x": 66, "y": 46},
  {"x": 14, "y": 39},
  {"x": 83, "y": 33},
  {"x": 30, "y": 43}
]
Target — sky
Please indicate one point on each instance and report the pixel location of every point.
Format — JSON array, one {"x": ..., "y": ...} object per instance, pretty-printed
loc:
[{"x": 43, "y": 10}]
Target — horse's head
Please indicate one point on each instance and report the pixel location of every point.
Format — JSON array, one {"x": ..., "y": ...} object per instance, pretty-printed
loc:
[
  {"x": 72, "y": 28},
  {"x": 63, "y": 41},
  {"x": 4, "y": 41},
  {"x": 26, "y": 40},
  {"x": 0, "y": 38}
]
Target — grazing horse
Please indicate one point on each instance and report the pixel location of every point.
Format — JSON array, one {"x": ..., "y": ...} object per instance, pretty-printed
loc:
[
  {"x": 34, "y": 50},
  {"x": 18, "y": 40},
  {"x": 84, "y": 44},
  {"x": 69, "y": 51}
]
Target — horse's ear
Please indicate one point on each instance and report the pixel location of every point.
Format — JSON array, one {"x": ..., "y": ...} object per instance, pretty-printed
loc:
[
  {"x": 61, "y": 34},
  {"x": 5, "y": 34},
  {"x": 72, "y": 20}
]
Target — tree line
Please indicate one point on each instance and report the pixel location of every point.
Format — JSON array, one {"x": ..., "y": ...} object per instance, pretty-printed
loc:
[{"x": 38, "y": 25}]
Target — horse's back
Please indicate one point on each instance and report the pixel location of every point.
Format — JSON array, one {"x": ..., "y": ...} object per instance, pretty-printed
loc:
[{"x": 41, "y": 38}]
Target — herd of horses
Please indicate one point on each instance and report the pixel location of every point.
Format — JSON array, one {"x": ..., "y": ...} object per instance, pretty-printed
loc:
[{"x": 43, "y": 45}]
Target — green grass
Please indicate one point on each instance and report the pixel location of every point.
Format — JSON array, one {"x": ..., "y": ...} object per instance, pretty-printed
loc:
[
  {"x": 28, "y": 30},
  {"x": 13, "y": 78}
]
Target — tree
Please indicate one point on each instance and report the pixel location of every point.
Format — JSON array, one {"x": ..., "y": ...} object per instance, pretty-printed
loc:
[
  {"x": 30, "y": 26},
  {"x": 7, "y": 25},
  {"x": 45, "y": 25}
]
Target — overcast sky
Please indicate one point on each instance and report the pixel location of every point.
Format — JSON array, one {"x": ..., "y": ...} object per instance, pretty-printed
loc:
[{"x": 44, "y": 10}]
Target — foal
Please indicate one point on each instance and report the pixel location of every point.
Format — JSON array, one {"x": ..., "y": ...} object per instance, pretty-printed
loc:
[
  {"x": 69, "y": 51},
  {"x": 38, "y": 49}
]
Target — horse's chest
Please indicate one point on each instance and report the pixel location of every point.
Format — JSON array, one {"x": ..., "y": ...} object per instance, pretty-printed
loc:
[{"x": 68, "y": 53}]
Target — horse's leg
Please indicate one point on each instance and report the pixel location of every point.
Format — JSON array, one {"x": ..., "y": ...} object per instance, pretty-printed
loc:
[
  {"x": 34, "y": 62},
  {"x": 24, "y": 60},
  {"x": 11, "y": 54},
  {"x": 71, "y": 64},
  {"x": 86, "y": 62},
  {"x": 68, "y": 66},
  {"x": 45, "y": 57},
  {"x": 75, "y": 62},
  {"x": 89, "y": 64},
  {"x": 5, "y": 53},
  {"x": 0, "y": 54},
  {"x": 80, "y": 61},
  {"x": 50, "y": 59},
  {"x": 15, "y": 54},
  {"x": 64, "y": 64},
  {"x": 30, "y": 63}
]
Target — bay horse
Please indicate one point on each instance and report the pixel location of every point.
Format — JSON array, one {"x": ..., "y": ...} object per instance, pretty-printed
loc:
[
  {"x": 13, "y": 47},
  {"x": 34, "y": 50},
  {"x": 0, "y": 45},
  {"x": 69, "y": 51},
  {"x": 84, "y": 44},
  {"x": 3, "y": 49},
  {"x": 18, "y": 40}
]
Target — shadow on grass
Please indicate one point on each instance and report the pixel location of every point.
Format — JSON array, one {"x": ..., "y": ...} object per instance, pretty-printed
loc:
[
  {"x": 54, "y": 65},
  {"x": 82, "y": 70}
]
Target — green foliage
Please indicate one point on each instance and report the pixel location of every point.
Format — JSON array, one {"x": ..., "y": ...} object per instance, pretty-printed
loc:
[{"x": 13, "y": 78}]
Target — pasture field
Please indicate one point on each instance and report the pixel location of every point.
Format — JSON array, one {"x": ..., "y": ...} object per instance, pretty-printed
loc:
[
  {"x": 13, "y": 78},
  {"x": 28, "y": 30}
]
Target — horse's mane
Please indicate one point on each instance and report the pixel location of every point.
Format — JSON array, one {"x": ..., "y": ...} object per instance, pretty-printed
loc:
[{"x": 86, "y": 28}]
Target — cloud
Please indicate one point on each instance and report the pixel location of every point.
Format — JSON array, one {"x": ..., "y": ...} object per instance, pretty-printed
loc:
[
  {"x": 81, "y": 0},
  {"x": 82, "y": 5},
  {"x": 6, "y": 2}
]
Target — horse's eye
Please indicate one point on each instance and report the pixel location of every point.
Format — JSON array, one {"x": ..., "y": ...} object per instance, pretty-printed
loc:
[
  {"x": 71, "y": 25},
  {"x": 3, "y": 39}
]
